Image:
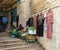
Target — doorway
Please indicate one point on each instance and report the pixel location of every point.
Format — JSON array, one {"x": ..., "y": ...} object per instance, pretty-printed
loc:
[
  {"x": 14, "y": 11},
  {"x": 14, "y": 14}
]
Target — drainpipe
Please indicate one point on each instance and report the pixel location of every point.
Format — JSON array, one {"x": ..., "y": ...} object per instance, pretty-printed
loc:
[{"x": 30, "y": 5}]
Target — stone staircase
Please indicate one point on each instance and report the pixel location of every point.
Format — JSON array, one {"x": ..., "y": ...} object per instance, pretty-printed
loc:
[{"x": 7, "y": 43}]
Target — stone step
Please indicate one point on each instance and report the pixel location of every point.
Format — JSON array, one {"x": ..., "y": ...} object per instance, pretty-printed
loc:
[
  {"x": 7, "y": 41},
  {"x": 4, "y": 34},
  {"x": 30, "y": 49},
  {"x": 4, "y": 37},
  {"x": 24, "y": 49},
  {"x": 12, "y": 44},
  {"x": 15, "y": 44},
  {"x": 1, "y": 34},
  {"x": 20, "y": 47}
]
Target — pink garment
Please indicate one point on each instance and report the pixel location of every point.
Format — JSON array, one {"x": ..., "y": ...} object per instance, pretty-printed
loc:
[{"x": 49, "y": 21}]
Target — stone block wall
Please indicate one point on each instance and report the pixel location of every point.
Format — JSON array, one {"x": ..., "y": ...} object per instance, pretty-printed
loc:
[
  {"x": 23, "y": 11},
  {"x": 54, "y": 43}
]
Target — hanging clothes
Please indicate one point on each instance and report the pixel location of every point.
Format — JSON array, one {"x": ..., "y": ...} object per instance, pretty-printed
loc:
[
  {"x": 17, "y": 20},
  {"x": 49, "y": 22},
  {"x": 35, "y": 21},
  {"x": 27, "y": 23},
  {"x": 11, "y": 19},
  {"x": 40, "y": 24},
  {"x": 30, "y": 21}
]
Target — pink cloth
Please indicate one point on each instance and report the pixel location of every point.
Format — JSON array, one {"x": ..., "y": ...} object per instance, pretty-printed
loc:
[{"x": 49, "y": 21}]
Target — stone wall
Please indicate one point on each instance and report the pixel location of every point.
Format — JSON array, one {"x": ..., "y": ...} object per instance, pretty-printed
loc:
[
  {"x": 54, "y": 43},
  {"x": 57, "y": 27},
  {"x": 23, "y": 11}
]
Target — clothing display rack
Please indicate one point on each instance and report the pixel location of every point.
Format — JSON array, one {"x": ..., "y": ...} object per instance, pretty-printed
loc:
[{"x": 45, "y": 9}]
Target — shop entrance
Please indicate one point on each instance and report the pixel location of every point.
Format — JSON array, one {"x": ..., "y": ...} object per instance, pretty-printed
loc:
[
  {"x": 6, "y": 7},
  {"x": 14, "y": 13}
]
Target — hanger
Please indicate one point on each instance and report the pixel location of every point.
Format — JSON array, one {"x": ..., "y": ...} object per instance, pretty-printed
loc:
[{"x": 45, "y": 9}]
